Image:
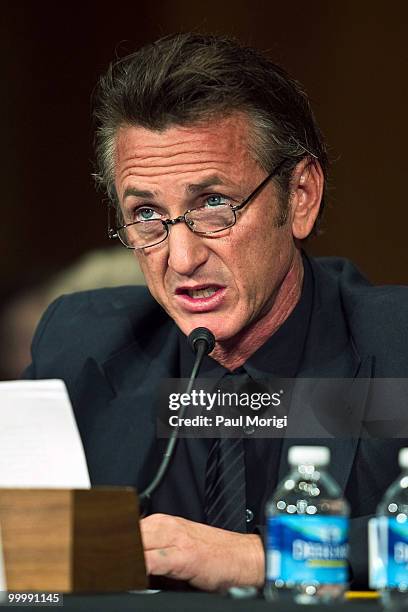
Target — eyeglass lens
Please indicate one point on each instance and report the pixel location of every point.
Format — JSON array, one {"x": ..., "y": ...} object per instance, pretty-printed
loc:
[{"x": 202, "y": 220}]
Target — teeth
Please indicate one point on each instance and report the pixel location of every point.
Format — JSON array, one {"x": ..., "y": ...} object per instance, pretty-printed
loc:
[{"x": 200, "y": 293}]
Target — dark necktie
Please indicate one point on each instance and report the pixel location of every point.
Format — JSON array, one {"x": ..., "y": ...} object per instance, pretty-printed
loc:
[{"x": 225, "y": 489}]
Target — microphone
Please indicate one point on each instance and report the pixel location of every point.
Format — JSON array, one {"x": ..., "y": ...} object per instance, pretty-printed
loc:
[
  {"x": 204, "y": 337},
  {"x": 202, "y": 341}
]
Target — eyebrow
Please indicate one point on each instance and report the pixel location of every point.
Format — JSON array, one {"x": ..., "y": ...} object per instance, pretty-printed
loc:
[
  {"x": 208, "y": 182},
  {"x": 132, "y": 191},
  {"x": 191, "y": 188}
]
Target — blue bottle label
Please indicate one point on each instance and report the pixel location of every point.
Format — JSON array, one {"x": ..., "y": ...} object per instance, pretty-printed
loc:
[
  {"x": 307, "y": 549},
  {"x": 388, "y": 539}
]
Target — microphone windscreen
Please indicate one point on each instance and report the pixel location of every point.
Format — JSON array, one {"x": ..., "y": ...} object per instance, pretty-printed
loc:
[{"x": 202, "y": 334}]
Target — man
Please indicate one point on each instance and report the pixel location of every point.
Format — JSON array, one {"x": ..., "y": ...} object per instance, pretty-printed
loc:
[{"x": 216, "y": 167}]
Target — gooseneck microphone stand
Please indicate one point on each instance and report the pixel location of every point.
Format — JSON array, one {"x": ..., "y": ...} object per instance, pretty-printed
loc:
[{"x": 202, "y": 342}]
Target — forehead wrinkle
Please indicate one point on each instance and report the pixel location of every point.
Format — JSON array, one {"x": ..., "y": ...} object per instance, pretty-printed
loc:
[
  {"x": 149, "y": 156},
  {"x": 165, "y": 173},
  {"x": 149, "y": 170},
  {"x": 189, "y": 154},
  {"x": 176, "y": 165},
  {"x": 169, "y": 145}
]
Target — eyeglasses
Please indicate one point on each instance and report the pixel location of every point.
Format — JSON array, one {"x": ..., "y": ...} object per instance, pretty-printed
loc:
[{"x": 203, "y": 220}]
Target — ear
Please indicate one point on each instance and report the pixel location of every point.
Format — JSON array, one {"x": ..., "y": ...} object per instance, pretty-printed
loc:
[{"x": 306, "y": 195}]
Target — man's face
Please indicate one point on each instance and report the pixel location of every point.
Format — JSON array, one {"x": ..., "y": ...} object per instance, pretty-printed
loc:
[{"x": 224, "y": 282}]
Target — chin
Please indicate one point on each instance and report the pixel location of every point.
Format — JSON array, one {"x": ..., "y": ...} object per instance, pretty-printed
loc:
[{"x": 218, "y": 328}]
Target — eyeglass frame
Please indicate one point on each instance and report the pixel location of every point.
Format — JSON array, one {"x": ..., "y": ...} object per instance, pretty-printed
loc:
[{"x": 114, "y": 232}]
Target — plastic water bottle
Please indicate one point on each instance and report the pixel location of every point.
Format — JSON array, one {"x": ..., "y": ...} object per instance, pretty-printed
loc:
[
  {"x": 307, "y": 532},
  {"x": 388, "y": 542}
]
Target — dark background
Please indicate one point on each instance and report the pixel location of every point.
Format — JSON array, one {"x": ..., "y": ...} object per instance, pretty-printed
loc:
[{"x": 351, "y": 57}]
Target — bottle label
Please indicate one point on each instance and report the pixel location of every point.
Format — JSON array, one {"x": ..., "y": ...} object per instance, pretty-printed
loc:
[
  {"x": 388, "y": 552},
  {"x": 307, "y": 549}
]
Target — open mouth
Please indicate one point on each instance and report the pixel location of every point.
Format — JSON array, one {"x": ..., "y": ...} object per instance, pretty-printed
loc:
[
  {"x": 202, "y": 296},
  {"x": 201, "y": 293}
]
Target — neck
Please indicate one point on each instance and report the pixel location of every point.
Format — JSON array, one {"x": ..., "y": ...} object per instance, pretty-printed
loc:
[{"x": 234, "y": 352}]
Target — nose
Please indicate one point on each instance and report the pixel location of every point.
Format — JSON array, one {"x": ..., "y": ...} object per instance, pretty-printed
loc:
[{"x": 187, "y": 250}]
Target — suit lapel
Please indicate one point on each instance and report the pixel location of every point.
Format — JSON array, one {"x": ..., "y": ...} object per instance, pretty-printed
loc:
[
  {"x": 330, "y": 353},
  {"x": 116, "y": 419},
  {"x": 329, "y": 412}
]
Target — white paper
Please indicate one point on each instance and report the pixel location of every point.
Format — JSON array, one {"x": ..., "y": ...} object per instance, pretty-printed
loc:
[{"x": 40, "y": 446}]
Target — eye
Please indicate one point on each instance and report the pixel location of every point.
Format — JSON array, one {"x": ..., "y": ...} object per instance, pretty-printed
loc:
[
  {"x": 145, "y": 214},
  {"x": 216, "y": 199}
]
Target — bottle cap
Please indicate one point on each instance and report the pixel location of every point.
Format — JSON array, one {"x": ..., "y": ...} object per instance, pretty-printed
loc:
[
  {"x": 309, "y": 455},
  {"x": 403, "y": 458}
]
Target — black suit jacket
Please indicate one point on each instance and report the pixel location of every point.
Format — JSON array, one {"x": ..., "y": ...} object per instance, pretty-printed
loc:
[{"x": 112, "y": 346}]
